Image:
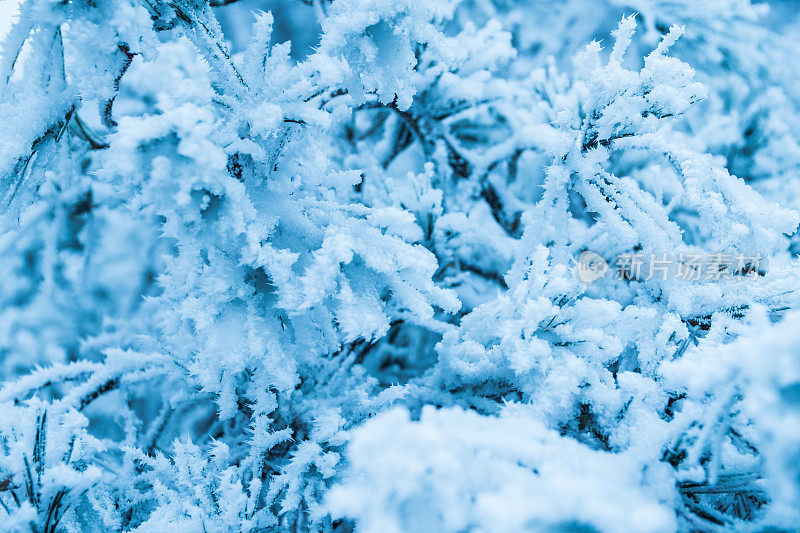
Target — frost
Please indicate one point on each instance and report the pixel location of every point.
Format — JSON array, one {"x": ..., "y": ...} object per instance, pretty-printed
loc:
[{"x": 323, "y": 267}]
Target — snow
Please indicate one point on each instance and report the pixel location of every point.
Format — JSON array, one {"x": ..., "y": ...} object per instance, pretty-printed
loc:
[{"x": 390, "y": 266}]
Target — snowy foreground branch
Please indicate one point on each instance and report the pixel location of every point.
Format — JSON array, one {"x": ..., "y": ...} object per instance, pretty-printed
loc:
[{"x": 386, "y": 276}]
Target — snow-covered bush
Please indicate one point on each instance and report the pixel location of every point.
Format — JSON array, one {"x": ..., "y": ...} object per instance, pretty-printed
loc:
[{"x": 391, "y": 265}]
